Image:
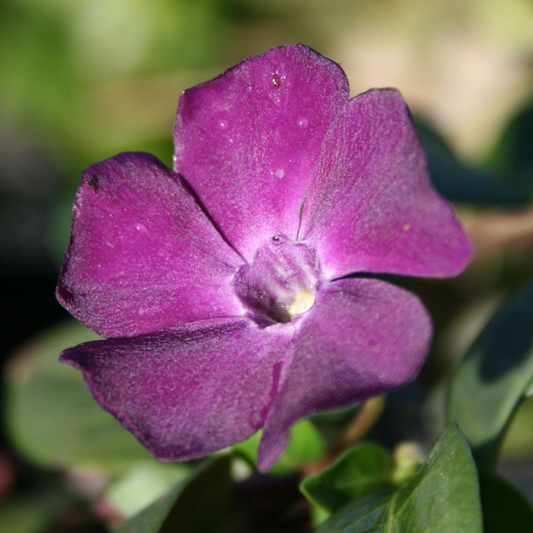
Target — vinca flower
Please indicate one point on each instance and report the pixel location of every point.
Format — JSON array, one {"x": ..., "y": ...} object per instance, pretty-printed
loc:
[{"x": 236, "y": 291}]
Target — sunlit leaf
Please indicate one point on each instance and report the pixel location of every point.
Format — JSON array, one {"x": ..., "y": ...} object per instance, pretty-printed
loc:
[
  {"x": 518, "y": 440},
  {"x": 442, "y": 498},
  {"x": 305, "y": 446},
  {"x": 142, "y": 484},
  {"x": 494, "y": 377}
]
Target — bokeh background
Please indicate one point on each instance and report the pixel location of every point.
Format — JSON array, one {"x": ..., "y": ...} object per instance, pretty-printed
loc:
[{"x": 81, "y": 80}]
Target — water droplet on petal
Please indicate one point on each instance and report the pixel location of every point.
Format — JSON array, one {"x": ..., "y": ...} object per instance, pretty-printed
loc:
[
  {"x": 303, "y": 122},
  {"x": 223, "y": 124},
  {"x": 174, "y": 158},
  {"x": 141, "y": 227},
  {"x": 275, "y": 79}
]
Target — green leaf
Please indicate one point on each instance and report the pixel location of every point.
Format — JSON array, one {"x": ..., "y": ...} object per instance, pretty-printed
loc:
[
  {"x": 142, "y": 484},
  {"x": 305, "y": 446},
  {"x": 512, "y": 156},
  {"x": 460, "y": 183},
  {"x": 504, "y": 508},
  {"x": 361, "y": 469},
  {"x": 365, "y": 515},
  {"x": 53, "y": 419},
  {"x": 494, "y": 378},
  {"x": 199, "y": 503},
  {"x": 518, "y": 442},
  {"x": 442, "y": 498}
]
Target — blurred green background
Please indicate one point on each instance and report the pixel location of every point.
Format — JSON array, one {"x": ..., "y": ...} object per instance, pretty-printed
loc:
[{"x": 81, "y": 80}]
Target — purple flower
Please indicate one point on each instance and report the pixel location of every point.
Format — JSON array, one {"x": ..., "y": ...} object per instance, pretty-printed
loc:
[{"x": 223, "y": 285}]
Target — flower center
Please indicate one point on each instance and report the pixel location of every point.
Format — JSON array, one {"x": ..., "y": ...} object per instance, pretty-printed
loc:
[
  {"x": 280, "y": 283},
  {"x": 303, "y": 302}
]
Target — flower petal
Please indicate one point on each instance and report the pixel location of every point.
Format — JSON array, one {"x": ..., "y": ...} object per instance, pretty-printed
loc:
[
  {"x": 247, "y": 141},
  {"x": 371, "y": 207},
  {"x": 143, "y": 256},
  {"x": 363, "y": 337},
  {"x": 189, "y": 391}
]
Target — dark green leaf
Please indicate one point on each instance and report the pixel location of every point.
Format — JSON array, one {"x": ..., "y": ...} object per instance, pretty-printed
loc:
[
  {"x": 460, "y": 183},
  {"x": 494, "y": 377},
  {"x": 362, "y": 469},
  {"x": 368, "y": 514},
  {"x": 512, "y": 157},
  {"x": 199, "y": 503},
  {"x": 442, "y": 498},
  {"x": 504, "y": 508}
]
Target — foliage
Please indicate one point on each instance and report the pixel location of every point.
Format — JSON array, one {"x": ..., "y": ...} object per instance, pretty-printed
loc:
[
  {"x": 495, "y": 376},
  {"x": 443, "y": 496}
]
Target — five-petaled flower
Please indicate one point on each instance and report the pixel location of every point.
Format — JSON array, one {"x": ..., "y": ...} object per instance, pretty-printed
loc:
[{"x": 223, "y": 286}]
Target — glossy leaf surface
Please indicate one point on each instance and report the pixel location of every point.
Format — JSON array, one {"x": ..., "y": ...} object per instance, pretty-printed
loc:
[
  {"x": 442, "y": 497},
  {"x": 362, "y": 469}
]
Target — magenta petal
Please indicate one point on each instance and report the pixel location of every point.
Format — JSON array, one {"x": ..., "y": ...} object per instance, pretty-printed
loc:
[
  {"x": 372, "y": 207},
  {"x": 189, "y": 391},
  {"x": 361, "y": 338},
  {"x": 143, "y": 256},
  {"x": 248, "y": 140}
]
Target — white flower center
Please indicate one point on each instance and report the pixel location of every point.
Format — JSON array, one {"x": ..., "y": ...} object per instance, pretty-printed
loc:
[
  {"x": 279, "y": 284},
  {"x": 303, "y": 301}
]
